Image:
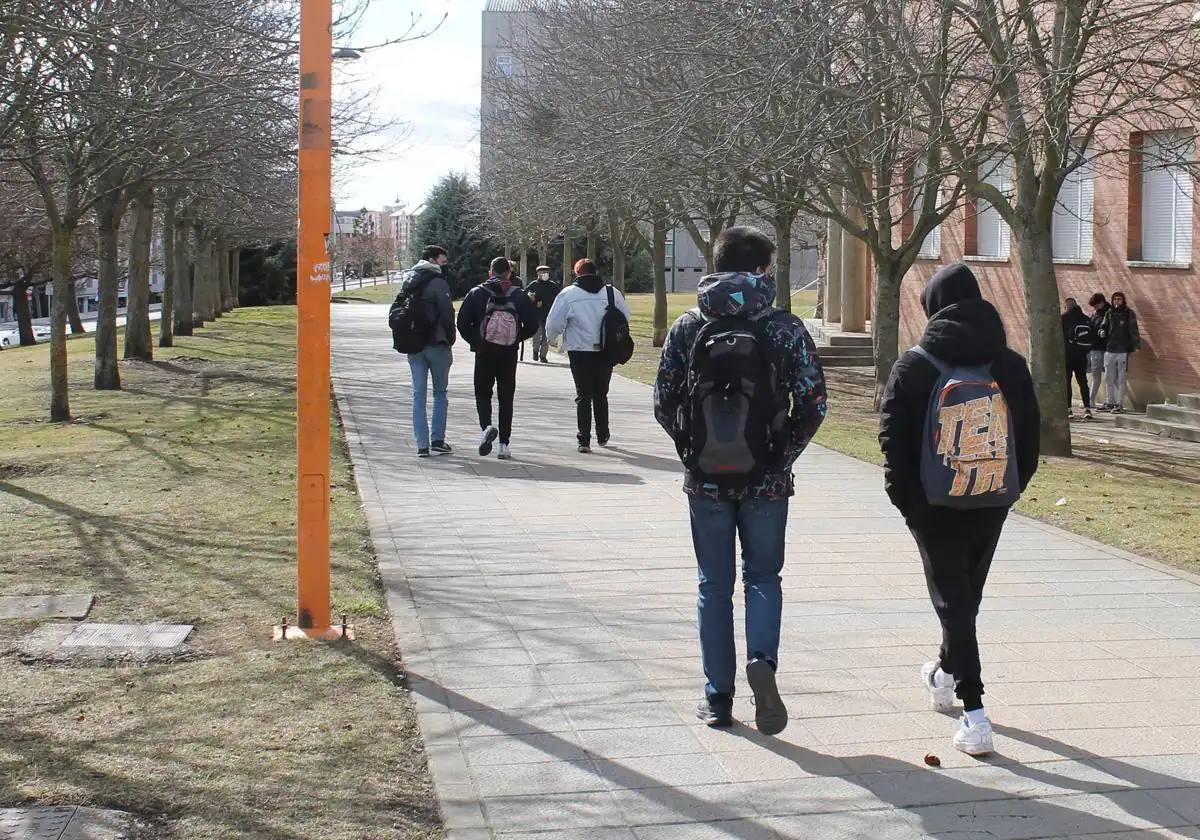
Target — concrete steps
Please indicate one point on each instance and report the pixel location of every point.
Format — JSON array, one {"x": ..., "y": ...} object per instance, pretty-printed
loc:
[
  {"x": 841, "y": 349},
  {"x": 1180, "y": 422}
]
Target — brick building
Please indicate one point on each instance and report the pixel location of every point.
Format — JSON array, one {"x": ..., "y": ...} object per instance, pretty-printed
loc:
[{"x": 1128, "y": 225}]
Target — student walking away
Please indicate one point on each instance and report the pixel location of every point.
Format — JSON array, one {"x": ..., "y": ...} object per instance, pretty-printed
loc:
[
  {"x": 1079, "y": 338},
  {"x": 578, "y": 315},
  {"x": 542, "y": 292},
  {"x": 1121, "y": 333},
  {"x": 1099, "y": 307},
  {"x": 959, "y": 430},
  {"x": 741, "y": 393},
  {"x": 422, "y": 323},
  {"x": 494, "y": 319}
]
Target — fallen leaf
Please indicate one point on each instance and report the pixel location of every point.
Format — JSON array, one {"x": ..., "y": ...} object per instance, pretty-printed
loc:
[
  {"x": 1061, "y": 502},
  {"x": 932, "y": 760}
]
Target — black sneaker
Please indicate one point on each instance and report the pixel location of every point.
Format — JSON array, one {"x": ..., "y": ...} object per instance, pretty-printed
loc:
[
  {"x": 423, "y": 452},
  {"x": 770, "y": 715},
  {"x": 716, "y": 710},
  {"x": 545, "y": 361},
  {"x": 602, "y": 441},
  {"x": 442, "y": 448},
  {"x": 584, "y": 449}
]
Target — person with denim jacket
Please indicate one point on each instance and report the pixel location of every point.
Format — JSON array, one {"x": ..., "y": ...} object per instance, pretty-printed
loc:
[{"x": 758, "y": 513}]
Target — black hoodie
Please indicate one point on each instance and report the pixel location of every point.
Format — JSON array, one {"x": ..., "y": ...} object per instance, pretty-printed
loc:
[
  {"x": 474, "y": 307},
  {"x": 1072, "y": 319},
  {"x": 590, "y": 283},
  {"x": 963, "y": 329}
]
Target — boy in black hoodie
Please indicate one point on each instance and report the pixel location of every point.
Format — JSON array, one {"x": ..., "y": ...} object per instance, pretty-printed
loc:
[
  {"x": 1079, "y": 339},
  {"x": 956, "y": 545}
]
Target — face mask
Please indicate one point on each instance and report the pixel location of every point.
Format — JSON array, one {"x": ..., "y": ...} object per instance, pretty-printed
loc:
[{"x": 543, "y": 276}]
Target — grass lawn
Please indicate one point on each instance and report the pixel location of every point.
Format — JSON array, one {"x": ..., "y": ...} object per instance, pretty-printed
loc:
[
  {"x": 173, "y": 500},
  {"x": 383, "y": 293},
  {"x": 1118, "y": 492}
]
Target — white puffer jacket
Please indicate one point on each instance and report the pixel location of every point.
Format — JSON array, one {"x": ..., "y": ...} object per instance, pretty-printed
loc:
[{"x": 578, "y": 312}]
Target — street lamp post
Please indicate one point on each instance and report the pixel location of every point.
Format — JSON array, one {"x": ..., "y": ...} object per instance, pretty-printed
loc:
[{"x": 312, "y": 333}]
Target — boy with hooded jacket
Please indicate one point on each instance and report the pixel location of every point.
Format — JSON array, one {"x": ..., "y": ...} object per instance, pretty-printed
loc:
[
  {"x": 956, "y": 545},
  {"x": 756, "y": 514}
]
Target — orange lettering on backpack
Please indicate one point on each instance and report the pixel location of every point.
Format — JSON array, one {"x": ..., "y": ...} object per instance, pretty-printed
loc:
[{"x": 973, "y": 439}]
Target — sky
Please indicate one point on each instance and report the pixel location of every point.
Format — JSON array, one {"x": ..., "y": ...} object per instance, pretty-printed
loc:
[{"x": 432, "y": 86}]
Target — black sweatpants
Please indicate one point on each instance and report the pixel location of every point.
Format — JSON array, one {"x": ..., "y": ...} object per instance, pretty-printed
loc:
[
  {"x": 957, "y": 547},
  {"x": 496, "y": 368},
  {"x": 1077, "y": 366},
  {"x": 593, "y": 375}
]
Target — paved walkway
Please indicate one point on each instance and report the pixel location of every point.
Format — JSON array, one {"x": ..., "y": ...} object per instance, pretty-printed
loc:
[{"x": 545, "y": 610}]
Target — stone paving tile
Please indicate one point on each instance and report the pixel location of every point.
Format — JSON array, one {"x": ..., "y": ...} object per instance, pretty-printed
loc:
[{"x": 552, "y": 655}]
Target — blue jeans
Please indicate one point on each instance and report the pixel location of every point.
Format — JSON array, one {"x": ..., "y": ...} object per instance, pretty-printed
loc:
[
  {"x": 434, "y": 361},
  {"x": 716, "y": 526}
]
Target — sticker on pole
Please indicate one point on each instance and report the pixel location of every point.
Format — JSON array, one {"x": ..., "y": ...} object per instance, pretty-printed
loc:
[{"x": 320, "y": 273}]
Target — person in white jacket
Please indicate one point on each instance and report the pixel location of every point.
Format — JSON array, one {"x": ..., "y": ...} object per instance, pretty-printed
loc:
[{"x": 577, "y": 315}]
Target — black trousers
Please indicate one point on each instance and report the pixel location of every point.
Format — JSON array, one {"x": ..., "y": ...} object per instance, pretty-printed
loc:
[
  {"x": 496, "y": 369},
  {"x": 593, "y": 375},
  {"x": 956, "y": 548},
  {"x": 1077, "y": 366}
]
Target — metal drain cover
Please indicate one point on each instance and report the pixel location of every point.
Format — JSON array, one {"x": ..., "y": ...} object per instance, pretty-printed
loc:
[
  {"x": 100, "y": 642},
  {"x": 64, "y": 823},
  {"x": 158, "y": 636},
  {"x": 45, "y": 606}
]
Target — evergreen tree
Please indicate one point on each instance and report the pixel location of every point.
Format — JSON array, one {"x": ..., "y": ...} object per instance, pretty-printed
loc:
[{"x": 452, "y": 219}]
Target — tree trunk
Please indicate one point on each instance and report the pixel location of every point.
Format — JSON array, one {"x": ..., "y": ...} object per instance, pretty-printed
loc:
[
  {"x": 60, "y": 401},
  {"x": 543, "y": 252},
  {"x": 138, "y": 342},
  {"x": 166, "y": 334},
  {"x": 783, "y": 258},
  {"x": 885, "y": 321},
  {"x": 183, "y": 315},
  {"x": 223, "y": 287},
  {"x": 1047, "y": 352},
  {"x": 201, "y": 295},
  {"x": 235, "y": 279},
  {"x": 593, "y": 247},
  {"x": 524, "y": 264},
  {"x": 660, "y": 281},
  {"x": 617, "y": 237},
  {"x": 73, "y": 310},
  {"x": 21, "y": 313},
  {"x": 107, "y": 374},
  {"x": 568, "y": 260}
]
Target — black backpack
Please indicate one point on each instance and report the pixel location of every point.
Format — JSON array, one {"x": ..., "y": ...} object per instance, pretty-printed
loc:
[
  {"x": 409, "y": 317},
  {"x": 615, "y": 341},
  {"x": 1083, "y": 336},
  {"x": 735, "y": 417}
]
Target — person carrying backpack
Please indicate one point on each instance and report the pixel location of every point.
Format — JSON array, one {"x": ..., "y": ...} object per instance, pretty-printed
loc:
[
  {"x": 741, "y": 393},
  {"x": 958, "y": 426},
  {"x": 1079, "y": 338},
  {"x": 422, "y": 322},
  {"x": 542, "y": 292},
  {"x": 579, "y": 315},
  {"x": 494, "y": 318}
]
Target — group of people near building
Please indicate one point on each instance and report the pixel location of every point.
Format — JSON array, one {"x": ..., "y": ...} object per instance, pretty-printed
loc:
[
  {"x": 495, "y": 319},
  {"x": 741, "y": 392},
  {"x": 1098, "y": 347}
]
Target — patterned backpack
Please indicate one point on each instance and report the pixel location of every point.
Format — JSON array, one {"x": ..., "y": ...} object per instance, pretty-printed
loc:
[{"x": 500, "y": 324}]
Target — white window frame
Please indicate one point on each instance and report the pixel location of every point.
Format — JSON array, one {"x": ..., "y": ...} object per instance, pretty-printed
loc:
[
  {"x": 993, "y": 236},
  {"x": 1167, "y": 192},
  {"x": 1073, "y": 226},
  {"x": 931, "y": 246}
]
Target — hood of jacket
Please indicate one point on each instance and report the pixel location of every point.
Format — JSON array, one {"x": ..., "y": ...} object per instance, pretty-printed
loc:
[
  {"x": 425, "y": 266},
  {"x": 735, "y": 293},
  {"x": 497, "y": 285},
  {"x": 963, "y": 328},
  {"x": 590, "y": 283},
  {"x": 1074, "y": 317}
]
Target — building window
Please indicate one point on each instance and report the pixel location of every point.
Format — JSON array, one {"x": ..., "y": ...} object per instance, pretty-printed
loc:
[
  {"x": 1073, "y": 215},
  {"x": 504, "y": 63},
  {"x": 931, "y": 247},
  {"x": 993, "y": 236},
  {"x": 1167, "y": 197}
]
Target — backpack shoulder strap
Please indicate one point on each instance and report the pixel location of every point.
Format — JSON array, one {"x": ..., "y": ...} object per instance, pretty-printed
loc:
[
  {"x": 612, "y": 298},
  {"x": 941, "y": 366}
]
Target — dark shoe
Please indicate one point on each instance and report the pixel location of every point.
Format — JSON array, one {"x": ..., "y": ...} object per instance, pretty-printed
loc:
[
  {"x": 442, "y": 448},
  {"x": 536, "y": 358},
  {"x": 545, "y": 360},
  {"x": 716, "y": 710},
  {"x": 770, "y": 715},
  {"x": 602, "y": 441},
  {"x": 1087, "y": 415},
  {"x": 585, "y": 449},
  {"x": 423, "y": 452}
]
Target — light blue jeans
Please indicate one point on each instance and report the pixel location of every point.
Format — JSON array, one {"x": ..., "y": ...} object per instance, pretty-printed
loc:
[
  {"x": 434, "y": 361},
  {"x": 716, "y": 527}
]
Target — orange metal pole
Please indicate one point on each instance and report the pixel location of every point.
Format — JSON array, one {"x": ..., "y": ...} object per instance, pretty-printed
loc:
[{"x": 312, "y": 299}]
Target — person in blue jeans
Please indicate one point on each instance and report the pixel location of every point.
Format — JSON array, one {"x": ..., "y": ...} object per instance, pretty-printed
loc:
[
  {"x": 435, "y": 360},
  {"x": 737, "y": 304}
]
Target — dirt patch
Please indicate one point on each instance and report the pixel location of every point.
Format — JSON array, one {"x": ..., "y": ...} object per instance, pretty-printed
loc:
[{"x": 10, "y": 472}]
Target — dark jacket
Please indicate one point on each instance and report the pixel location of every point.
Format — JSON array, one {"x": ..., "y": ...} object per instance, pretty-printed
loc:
[
  {"x": 1097, "y": 320},
  {"x": 474, "y": 306},
  {"x": 1121, "y": 330},
  {"x": 963, "y": 329},
  {"x": 436, "y": 298},
  {"x": 544, "y": 291},
  {"x": 1072, "y": 319},
  {"x": 800, "y": 374}
]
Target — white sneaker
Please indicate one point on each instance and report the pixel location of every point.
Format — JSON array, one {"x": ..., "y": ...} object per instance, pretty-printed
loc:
[
  {"x": 941, "y": 696},
  {"x": 486, "y": 438},
  {"x": 974, "y": 740},
  {"x": 505, "y": 453}
]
